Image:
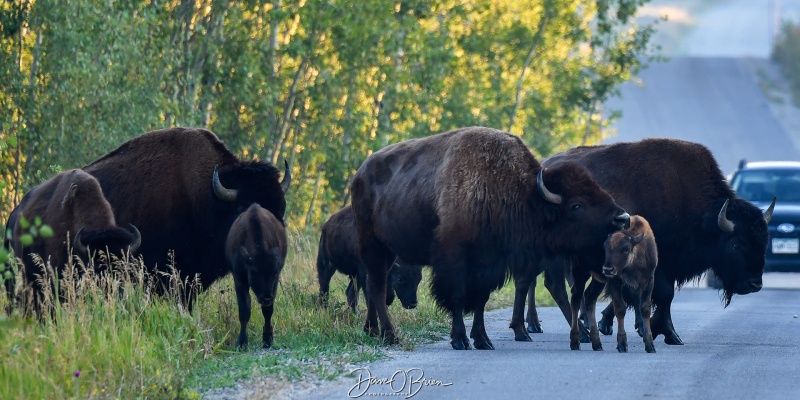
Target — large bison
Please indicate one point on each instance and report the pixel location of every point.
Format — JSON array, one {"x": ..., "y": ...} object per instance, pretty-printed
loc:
[
  {"x": 80, "y": 217},
  {"x": 699, "y": 221},
  {"x": 164, "y": 183},
  {"x": 476, "y": 206},
  {"x": 256, "y": 251},
  {"x": 338, "y": 251}
]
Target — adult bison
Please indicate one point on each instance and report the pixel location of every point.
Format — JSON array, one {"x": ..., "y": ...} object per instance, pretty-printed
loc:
[
  {"x": 476, "y": 206},
  {"x": 72, "y": 204},
  {"x": 699, "y": 221},
  {"x": 164, "y": 182},
  {"x": 338, "y": 251}
]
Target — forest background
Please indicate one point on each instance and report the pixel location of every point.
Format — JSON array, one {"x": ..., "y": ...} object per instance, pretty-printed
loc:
[{"x": 319, "y": 83}]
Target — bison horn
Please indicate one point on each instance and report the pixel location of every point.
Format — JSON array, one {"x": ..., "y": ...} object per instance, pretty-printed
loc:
[
  {"x": 768, "y": 213},
  {"x": 137, "y": 239},
  {"x": 287, "y": 178},
  {"x": 77, "y": 244},
  {"x": 222, "y": 192},
  {"x": 722, "y": 220},
  {"x": 546, "y": 194}
]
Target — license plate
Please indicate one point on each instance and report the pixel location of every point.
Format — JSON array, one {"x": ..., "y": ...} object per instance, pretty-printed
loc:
[{"x": 785, "y": 246}]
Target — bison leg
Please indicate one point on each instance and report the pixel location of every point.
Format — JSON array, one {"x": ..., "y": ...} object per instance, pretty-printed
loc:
[
  {"x": 478, "y": 332},
  {"x": 590, "y": 301},
  {"x": 534, "y": 326},
  {"x": 606, "y": 324},
  {"x": 325, "y": 272},
  {"x": 266, "y": 311},
  {"x": 243, "y": 301},
  {"x": 352, "y": 293},
  {"x": 619, "y": 307},
  {"x": 580, "y": 278},
  {"x": 521, "y": 285},
  {"x": 458, "y": 332},
  {"x": 390, "y": 295},
  {"x": 645, "y": 307},
  {"x": 555, "y": 281},
  {"x": 661, "y": 323},
  {"x": 378, "y": 259}
]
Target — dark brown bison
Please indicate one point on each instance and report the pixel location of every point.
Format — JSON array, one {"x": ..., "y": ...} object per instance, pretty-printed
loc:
[
  {"x": 476, "y": 206},
  {"x": 699, "y": 221},
  {"x": 256, "y": 251},
  {"x": 338, "y": 251},
  {"x": 630, "y": 265},
  {"x": 164, "y": 183},
  {"x": 74, "y": 207}
]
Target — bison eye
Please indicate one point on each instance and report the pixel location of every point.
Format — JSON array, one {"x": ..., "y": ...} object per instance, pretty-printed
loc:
[{"x": 576, "y": 207}]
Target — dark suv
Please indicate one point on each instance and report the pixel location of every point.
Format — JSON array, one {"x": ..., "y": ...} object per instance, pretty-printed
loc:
[{"x": 758, "y": 182}]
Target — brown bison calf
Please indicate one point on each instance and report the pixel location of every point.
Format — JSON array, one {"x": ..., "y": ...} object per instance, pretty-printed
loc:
[
  {"x": 73, "y": 204},
  {"x": 630, "y": 265},
  {"x": 338, "y": 251},
  {"x": 256, "y": 250}
]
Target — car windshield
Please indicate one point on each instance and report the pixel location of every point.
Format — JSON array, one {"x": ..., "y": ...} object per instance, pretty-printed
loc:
[{"x": 761, "y": 185}]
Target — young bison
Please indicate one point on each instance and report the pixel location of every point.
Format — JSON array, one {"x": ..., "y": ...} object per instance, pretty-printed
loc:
[
  {"x": 630, "y": 265},
  {"x": 338, "y": 251},
  {"x": 256, "y": 250}
]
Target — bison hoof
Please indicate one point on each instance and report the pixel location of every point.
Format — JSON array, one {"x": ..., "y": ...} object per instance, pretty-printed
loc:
[
  {"x": 606, "y": 328},
  {"x": 640, "y": 331},
  {"x": 597, "y": 346},
  {"x": 650, "y": 349},
  {"x": 460, "y": 344},
  {"x": 371, "y": 330},
  {"x": 521, "y": 337},
  {"x": 585, "y": 338},
  {"x": 535, "y": 328},
  {"x": 267, "y": 345},
  {"x": 673, "y": 339},
  {"x": 484, "y": 344},
  {"x": 575, "y": 346},
  {"x": 389, "y": 338},
  {"x": 622, "y": 347}
]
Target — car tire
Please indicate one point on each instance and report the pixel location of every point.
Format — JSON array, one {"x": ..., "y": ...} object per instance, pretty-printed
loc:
[{"x": 713, "y": 280}]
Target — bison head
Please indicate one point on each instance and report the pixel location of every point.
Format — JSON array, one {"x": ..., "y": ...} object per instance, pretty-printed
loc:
[
  {"x": 114, "y": 240},
  {"x": 619, "y": 252},
  {"x": 404, "y": 279},
  {"x": 246, "y": 183},
  {"x": 742, "y": 238},
  {"x": 579, "y": 214}
]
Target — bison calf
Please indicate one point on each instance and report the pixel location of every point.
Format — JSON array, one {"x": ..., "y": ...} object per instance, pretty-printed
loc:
[
  {"x": 73, "y": 204},
  {"x": 630, "y": 265},
  {"x": 338, "y": 251},
  {"x": 256, "y": 250}
]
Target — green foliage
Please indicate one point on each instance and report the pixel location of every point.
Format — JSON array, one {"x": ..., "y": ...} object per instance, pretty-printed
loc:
[
  {"x": 786, "y": 52},
  {"x": 321, "y": 84}
]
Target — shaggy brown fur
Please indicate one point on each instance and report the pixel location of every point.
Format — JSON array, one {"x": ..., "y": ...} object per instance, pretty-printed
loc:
[
  {"x": 69, "y": 202},
  {"x": 256, "y": 251},
  {"x": 467, "y": 203}
]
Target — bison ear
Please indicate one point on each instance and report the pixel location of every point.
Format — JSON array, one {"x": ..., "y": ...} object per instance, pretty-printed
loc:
[
  {"x": 71, "y": 193},
  {"x": 638, "y": 238}
]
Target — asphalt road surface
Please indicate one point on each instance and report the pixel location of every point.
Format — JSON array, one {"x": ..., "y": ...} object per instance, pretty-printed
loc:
[{"x": 746, "y": 351}]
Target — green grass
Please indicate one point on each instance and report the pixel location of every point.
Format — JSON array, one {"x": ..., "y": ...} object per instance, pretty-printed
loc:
[{"x": 128, "y": 342}]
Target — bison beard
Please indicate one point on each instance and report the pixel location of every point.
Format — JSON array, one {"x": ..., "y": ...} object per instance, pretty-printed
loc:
[
  {"x": 678, "y": 187},
  {"x": 164, "y": 182},
  {"x": 469, "y": 204}
]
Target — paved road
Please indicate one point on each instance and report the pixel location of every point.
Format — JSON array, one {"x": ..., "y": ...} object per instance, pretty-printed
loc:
[{"x": 748, "y": 350}]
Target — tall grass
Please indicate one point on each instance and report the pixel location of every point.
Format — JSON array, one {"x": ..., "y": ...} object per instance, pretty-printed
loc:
[
  {"x": 112, "y": 335},
  {"x": 786, "y": 52}
]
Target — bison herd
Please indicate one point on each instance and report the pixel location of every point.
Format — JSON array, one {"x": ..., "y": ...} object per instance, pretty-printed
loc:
[{"x": 473, "y": 204}]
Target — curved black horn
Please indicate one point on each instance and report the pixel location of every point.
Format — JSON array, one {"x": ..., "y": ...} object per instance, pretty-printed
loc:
[
  {"x": 77, "y": 244},
  {"x": 221, "y": 191},
  {"x": 546, "y": 194},
  {"x": 768, "y": 213},
  {"x": 287, "y": 178},
  {"x": 137, "y": 239},
  {"x": 722, "y": 220}
]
